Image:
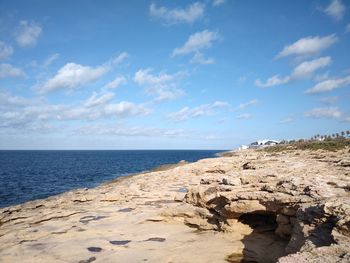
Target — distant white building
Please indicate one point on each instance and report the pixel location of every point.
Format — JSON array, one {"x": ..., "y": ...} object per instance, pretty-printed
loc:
[
  {"x": 258, "y": 144},
  {"x": 243, "y": 147},
  {"x": 262, "y": 143}
]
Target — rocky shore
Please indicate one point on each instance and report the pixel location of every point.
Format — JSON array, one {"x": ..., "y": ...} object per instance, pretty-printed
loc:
[{"x": 251, "y": 206}]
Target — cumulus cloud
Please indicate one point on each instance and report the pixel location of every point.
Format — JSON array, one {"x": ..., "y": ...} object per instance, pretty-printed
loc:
[
  {"x": 189, "y": 15},
  {"x": 199, "y": 58},
  {"x": 9, "y": 71},
  {"x": 9, "y": 101},
  {"x": 161, "y": 86},
  {"x": 51, "y": 59},
  {"x": 18, "y": 112},
  {"x": 125, "y": 109},
  {"x": 117, "y": 82},
  {"x": 218, "y": 2},
  {"x": 72, "y": 76},
  {"x": 287, "y": 120},
  {"x": 273, "y": 81},
  {"x": 327, "y": 112},
  {"x": 27, "y": 33},
  {"x": 5, "y": 50},
  {"x": 347, "y": 28},
  {"x": 329, "y": 85},
  {"x": 307, "y": 68},
  {"x": 308, "y": 46},
  {"x": 120, "y": 58},
  {"x": 196, "y": 42},
  {"x": 245, "y": 116},
  {"x": 96, "y": 100},
  {"x": 304, "y": 70},
  {"x": 119, "y": 130},
  {"x": 202, "y": 110},
  {"x": 335, "y": 10},
  {"x": 329, "y": 100},
  {"x": 247, "y": 104}
]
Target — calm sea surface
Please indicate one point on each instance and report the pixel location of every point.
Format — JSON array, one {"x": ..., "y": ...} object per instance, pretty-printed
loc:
[{"x": 29, "y": 175}]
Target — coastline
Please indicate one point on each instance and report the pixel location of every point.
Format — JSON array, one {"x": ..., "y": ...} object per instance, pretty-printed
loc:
[
  {"x": 174, "y": 214},
  {"x": 92, "y": 169}
]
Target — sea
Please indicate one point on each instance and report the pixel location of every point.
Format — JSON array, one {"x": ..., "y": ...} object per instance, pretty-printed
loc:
[{"x": 29, "y": 175}]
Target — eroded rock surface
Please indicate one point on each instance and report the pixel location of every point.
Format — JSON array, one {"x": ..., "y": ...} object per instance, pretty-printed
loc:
[{"x": 254, "y": 206}]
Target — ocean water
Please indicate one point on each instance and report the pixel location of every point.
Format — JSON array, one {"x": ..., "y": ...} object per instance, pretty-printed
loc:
[{"x": 30, "y": 175}]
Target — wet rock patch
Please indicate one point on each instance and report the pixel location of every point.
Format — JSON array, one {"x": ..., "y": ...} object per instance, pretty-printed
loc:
[
  {"x": 94, "y": 249},
  {"x": 126, "y": 210},
  {"x": 89, "y": 260},
  {"x": 87, "y": 219},
  {"x": 120, "y": 242},
  {"x": 156, "y": 239}
]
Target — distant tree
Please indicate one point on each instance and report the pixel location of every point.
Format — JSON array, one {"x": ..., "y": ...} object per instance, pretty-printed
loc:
[
  {"x": 342, "y": 133},
  {"x": 348, "y": 133},
  {"x": 333, "y": 135},
  {"x": 337, "y": 135}
]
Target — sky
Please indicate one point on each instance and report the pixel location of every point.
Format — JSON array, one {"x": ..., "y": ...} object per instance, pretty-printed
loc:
[{"x": 207, "y": 74}]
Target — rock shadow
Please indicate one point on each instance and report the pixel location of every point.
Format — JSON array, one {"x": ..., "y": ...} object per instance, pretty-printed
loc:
[{"x": 262, "y": 245}]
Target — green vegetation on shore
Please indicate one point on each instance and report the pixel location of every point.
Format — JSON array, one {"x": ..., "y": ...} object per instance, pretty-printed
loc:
[{"x": 328, "y": 144}]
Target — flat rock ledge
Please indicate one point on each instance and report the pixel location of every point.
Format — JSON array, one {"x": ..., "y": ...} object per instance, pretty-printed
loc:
[{"x": 253, "y": 206}]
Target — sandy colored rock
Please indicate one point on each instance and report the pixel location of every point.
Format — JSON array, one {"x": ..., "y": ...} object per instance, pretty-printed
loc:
[{"x": 288, "y": 207}]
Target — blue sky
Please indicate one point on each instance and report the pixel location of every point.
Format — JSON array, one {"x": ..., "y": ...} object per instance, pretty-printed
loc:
[{"x": 171, "y": 74}]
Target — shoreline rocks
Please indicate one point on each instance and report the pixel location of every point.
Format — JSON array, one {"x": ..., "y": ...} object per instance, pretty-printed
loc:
[{"x": 254, "y": 206}]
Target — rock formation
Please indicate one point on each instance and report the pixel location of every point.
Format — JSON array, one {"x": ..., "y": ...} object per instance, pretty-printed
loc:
[{"x": 253, "y": 206}]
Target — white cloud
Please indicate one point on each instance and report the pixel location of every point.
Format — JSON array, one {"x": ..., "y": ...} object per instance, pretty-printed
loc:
[
  {"x": 162, "y": 86},
  {"x": 9, "y": 101},
  {"x": 199, "y": 58},
  {"x": 347, "y": 28},
  {"x": 196, "y": 42},
  {"x": 307, "y": 68},
  {"x": 308, "y": 46},
  {"x": 327, "y": 112},
  {"x": 117, "y": 82},
  {"x": 220, "y": 104},
  {"x": 145, "y": 77},
  {"x": 96, "y": 100},
  {"x": 120, "y": 58},
  {"x": 303, "y": 71},
  {"x": 119, "y": 130},
  {"x": 51, "y": 59},
  {"x": 164, "y": 93},
  {"x": 329, "y": 100},
  {"x": 5, "y": 50},
  {"x": 7, "y": 70},
  {"x": 247, "y": 104},
  {"x": 287, "y": 120},
  {"x": 202, "y": 110},
  {"x": 18, "y": 112},
  {"x": 335, "y": 10},
  {"x": 329, "y": 85},
  {"x": 27, "y": 33},
  {"x": 245, "y": 116},
  {"x": 125, "y": 109},
  {"x": 187, "y": 15},
  {"x": 273, "y": 81},
  {"x": 218, "y": 2},
  {"x": 72, "y": 76},
  {"x": 321, "y": 77}
]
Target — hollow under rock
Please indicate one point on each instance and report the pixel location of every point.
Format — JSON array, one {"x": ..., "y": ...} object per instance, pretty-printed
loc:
[{"x": 262, "y": 245}]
